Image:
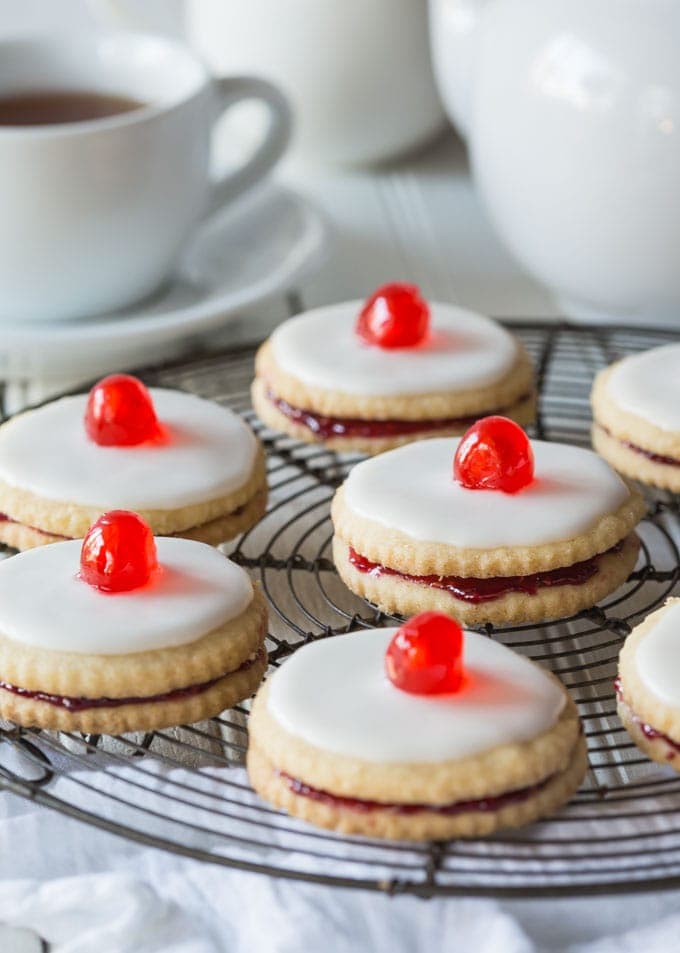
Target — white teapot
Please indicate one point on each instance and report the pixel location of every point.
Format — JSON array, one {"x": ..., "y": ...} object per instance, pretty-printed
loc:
[{"x": 572, "y": 112}]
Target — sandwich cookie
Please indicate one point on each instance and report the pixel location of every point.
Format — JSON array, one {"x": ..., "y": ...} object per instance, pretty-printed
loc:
[
  {"x": 369, "y": 377},
  {"x": 636, "y": 406},
  {"x": 190, "y": 467},
  {"x": 121, "y": 632},
  {"x": 429, "y": 746},
  {"x": 492, "y": 528},
  {"x": 648, "y": 685}
]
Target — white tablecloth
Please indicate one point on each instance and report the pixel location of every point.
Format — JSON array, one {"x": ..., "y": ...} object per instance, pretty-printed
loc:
[{"x": 86, "y": 891}]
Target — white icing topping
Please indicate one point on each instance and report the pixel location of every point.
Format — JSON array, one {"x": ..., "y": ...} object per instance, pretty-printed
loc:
[
  {"x": 334, "y": 694},
  {"x": 209, "y": 452},
  {"x": 412, "y": 489},
  {"x": 465, "y": 350},
  {"x": 658, "y": 657},
  {"x": 44, "y": 603},
  {"x": 648, "y": 385}
]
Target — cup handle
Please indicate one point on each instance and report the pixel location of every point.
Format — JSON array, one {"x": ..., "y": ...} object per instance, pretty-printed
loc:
[{"x": 231, "y": 90}]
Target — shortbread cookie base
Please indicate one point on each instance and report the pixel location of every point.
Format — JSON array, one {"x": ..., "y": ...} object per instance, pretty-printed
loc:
[
  {"x": 424, "y": 406},
  {"x": 140, "y": 716},
  {"x": 626, "y": 426},
  {"x": 422, "y": 825},
  {"x": 648, "y": 708},
  {"x": 633, "y": 464},
  {"x": 506, "y": 767},
  {"x": 393, "y": 594},
  {"x": 388, "y": 546},
  {"x": 138, "y": 674},
  {"x": 523, "y": 412},
  {"x": 213, "y": 533},
  {"x": 69, "y": 519},
  {"x": 657, "y": 749}
]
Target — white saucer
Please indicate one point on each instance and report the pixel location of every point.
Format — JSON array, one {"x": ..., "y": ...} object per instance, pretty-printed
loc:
[{"x": 264, "y": 244}]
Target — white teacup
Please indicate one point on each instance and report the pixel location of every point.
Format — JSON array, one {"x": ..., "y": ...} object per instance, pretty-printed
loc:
[{"x": 95, "y": 212}]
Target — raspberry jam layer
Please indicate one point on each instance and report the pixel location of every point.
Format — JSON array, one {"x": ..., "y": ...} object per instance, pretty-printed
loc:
[
  {"x": 325, "y": 427},
  {"x": 647, "y": 730},
  {"x": 483, "y": 805},
  {"x": 473, "y": 590},
  {"x": 649, "y": 454},
  {"x": 75, "y": 704}
]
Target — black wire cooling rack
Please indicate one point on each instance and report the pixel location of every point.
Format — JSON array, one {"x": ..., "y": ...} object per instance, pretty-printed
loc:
[{"x": 185, "y": 789}]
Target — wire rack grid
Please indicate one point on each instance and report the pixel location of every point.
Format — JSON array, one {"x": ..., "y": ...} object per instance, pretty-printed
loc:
[{"x": 185, "y": 789}]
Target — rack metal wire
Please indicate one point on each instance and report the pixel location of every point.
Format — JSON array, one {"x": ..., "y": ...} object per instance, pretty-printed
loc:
[{"x": 185, "y": 789}]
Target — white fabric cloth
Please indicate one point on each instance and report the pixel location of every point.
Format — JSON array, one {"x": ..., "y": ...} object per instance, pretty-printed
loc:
[{"x": 84, "y": 890}]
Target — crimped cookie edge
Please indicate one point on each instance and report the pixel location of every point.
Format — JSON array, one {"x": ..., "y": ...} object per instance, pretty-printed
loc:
[
  {"x": 492, "y": 772},
  {"x": 70, "y": 519},
  {"x": 635, "y": 465},
  {"x": 522, "y": 413},
  {"x": 647, "y": 706},
  {"x": 517, "y": 382},
  {"x": 425, "y": 825},
  {"x": 394, "y": 595},
  {"x": 390, "y": 547},
  {"x": 231, "y": 689},
  {"x": 626, "y": 426},
  {"x": 137, "y": 674}
]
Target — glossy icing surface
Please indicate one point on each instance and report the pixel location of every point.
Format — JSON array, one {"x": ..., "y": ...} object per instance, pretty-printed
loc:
[
  {"x": 464, "y": 350},
  {"x": 658, "y": 657},
  {"x": 648, "y": 385},
  {"x": 44, "y": 603},
  {"x": 412, "y": 489},
  {"x": 208, "y": 451},
  {"x": 334, "y": 694}
]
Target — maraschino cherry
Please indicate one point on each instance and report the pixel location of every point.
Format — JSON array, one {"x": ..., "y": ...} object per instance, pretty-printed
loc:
[
  {"x": 118, "y": 553},
  {"x": 425, "y": 657},
  {"x": 494, "y": 454},
  {"x": 120, "y": 412},
  {"x": 394, "y": 316}
]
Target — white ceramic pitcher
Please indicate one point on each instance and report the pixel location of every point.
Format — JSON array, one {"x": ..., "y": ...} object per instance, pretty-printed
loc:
[{"x": 572, "y": 111}]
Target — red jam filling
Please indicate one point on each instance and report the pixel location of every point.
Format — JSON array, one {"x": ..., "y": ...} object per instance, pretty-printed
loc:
[
  {"x": 654, "y": 457},
  {"x": 646, "y": 729},
  {"x": 83, "y": 704},
  {"x": 325, "y": 427},
  {"x": 484, "y": 805},
  {"x": 471, "y": 589}
]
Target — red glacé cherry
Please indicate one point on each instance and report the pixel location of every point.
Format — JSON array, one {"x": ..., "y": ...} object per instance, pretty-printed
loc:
[
  {"x": 394, "y": 316},
  {"x": 494, "y": 454},
  {"x": 120, "y": 412},
  {"x": 425, "y": 657},
  {"x": 118, "y": 553}
]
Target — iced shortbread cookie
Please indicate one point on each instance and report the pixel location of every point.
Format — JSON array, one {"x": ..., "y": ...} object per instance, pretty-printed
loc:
[
  {"x": 491, "y": 528},
  {"x": 388, "y": 733},
  {"x": 121, "y": 632},
  {"x": 372, "y": 376},
  {"x": 648, "y": 686},
  {"x": 636, "y": 406},
  {"x": 189, "y": 466}
]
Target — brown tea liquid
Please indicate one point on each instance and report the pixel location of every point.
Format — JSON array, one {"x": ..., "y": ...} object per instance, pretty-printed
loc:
[{"x": 51, "y": 107}]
